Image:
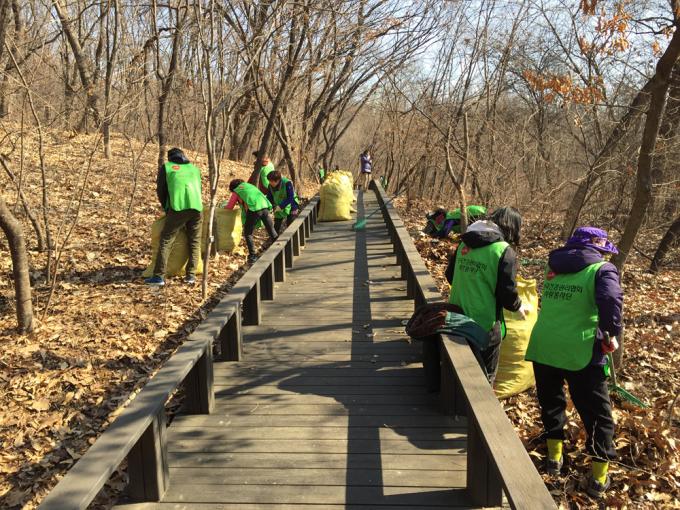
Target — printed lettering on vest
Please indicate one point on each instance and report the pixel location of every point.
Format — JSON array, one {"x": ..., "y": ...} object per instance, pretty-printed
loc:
[{"x": 560, "y": 291}]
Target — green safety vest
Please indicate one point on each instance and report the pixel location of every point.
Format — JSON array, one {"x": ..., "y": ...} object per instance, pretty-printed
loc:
[
  {"x": 252, "y": 197},
  {"x": 565, "y": 331},
  {"x": 264, "y": 172},
  {"x": 279, "y": 196},
  {"x": 322, "y": 173},
  {"x": 474, "y": 283},
  {"x": 472, "y": 211},
  {"x": 184, "y": 187}
]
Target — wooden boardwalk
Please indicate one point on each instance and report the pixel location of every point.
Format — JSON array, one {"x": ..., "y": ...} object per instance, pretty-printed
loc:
[{"x": 328, "y": 408}]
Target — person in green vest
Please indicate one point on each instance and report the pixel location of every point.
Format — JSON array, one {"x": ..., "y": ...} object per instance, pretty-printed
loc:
[
  {"x": 322, "y": 174},
  {"x": 580, "y": 318},
  {"x": 281, "y": 194},
  {"x": 482, "y": 271},
  {"x": 178, "y": 186},
  {"x": 256, "y": 207}
]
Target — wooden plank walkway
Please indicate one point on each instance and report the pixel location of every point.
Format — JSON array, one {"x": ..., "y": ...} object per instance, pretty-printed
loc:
[{"x": 328, "y": 408}]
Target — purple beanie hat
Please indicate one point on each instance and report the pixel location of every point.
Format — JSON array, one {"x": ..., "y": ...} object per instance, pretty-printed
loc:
[{"x": 592, "y": 237}]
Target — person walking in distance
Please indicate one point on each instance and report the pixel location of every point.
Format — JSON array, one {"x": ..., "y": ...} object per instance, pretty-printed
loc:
[
  {"x": 178, "y": 186},
  {"x": 366, "y": 168},
  {"x": 282, "y": 196},
  {"x": 580, "y": 318},
  {"x": 256, "y": 207}
]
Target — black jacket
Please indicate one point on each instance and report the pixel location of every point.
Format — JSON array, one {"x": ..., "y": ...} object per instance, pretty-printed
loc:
[
  {"x": 506, "y": 286},
  {"x": 178, "y": 157}
]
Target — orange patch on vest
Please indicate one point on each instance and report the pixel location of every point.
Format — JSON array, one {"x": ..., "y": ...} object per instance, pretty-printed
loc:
[{"x": 175, "y": 167}]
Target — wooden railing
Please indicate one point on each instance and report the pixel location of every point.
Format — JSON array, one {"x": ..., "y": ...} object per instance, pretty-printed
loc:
[
  {"x": 497, "y": 461},
  {"x": 138, "y": 433}
]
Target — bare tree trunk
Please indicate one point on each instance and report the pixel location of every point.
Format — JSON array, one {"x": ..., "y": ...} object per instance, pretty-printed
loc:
[
  {"x": 643, "y": 188},
  {"x": 22, "y": 284},
  {"x": 668, "y": 242},
  {"x": 37, "y": 228}
]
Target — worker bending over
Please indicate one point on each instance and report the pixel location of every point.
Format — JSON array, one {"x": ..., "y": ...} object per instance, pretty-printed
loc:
[
  {"x": 580, "y": 317},
  {"x": 281, "y": 194},
  {"x": 256, "y": 208}
]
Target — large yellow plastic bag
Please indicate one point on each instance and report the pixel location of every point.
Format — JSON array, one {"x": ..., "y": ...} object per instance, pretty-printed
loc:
[
  {"x": 179, "y": 255},
  {"x": 347, "y": 180},
  {"x": 514, "y": 374},
  {"x": 336, "y": 204},
  {"x": 228, "y": 229}
]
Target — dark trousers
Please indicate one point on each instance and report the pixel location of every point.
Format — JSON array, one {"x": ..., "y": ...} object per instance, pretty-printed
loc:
[
  {"x": 175, "y": 220},
  {"x": 487, "y": 359},
  {"x": 280, "y": 224},
  {"x": 252, "y": 217},
  {"x": 590, "y": 394}
]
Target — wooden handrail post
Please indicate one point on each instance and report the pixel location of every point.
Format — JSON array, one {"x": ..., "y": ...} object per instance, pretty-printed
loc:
[
  {"x": 280, "y": 267},
  {"x": 231, "y": 338},
  {"x": 296, "y": 243},
  {"x": 267, "y": 284},
  {"x": 288, "y": 252},
  {"x": 307, "y": 227},
  {"x": 301, "y": 235},
  {"x": 198, "y": 385},
  {"x": 148, "y": 463},
  {"x": 484, "y": 484},
  {"x": 252, "y": 309}
]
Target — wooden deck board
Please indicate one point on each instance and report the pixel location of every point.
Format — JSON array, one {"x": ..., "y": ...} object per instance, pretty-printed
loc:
[{"x": 327, "y": 409}]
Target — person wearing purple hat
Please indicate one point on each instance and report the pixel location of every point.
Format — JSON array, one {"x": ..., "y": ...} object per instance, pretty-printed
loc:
[{"x": 579, "y": 320}]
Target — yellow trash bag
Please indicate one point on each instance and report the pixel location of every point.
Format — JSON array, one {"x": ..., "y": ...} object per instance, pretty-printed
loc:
[
  {"x": 336, "y": 204},
  {"x": 227, "y": 229},
  {"x": 179, "y": 255},
  {"x": 514, "y": 374}
]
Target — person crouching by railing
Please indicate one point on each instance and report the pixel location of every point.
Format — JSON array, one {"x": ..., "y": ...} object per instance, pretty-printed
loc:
[
  {"x": 580, "y": 318},
  {"x": 482, "y": 272},
  {"x": 281, "y": 193},
  {"x": 256, "y": 207}
]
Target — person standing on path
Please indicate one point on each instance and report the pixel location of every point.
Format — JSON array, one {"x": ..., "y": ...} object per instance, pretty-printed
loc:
[
  {"x": 256, "y": 207},
  {"x": 282, "y": 196},
  {"x": 580, "y": 318},
  {"x": 178, "y": 186},
  {"x": 366, "y": 168}
]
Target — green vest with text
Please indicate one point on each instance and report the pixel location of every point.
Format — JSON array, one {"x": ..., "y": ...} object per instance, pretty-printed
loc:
[
  {"x": 264, "y": 173},
  {"x": 252, "y": 197},
  {"x": 565, "y": 331},
  {"x": 474, "y": 282},
  {"x": 279, "y": 196},
  {"x": 184, "y": 187}
]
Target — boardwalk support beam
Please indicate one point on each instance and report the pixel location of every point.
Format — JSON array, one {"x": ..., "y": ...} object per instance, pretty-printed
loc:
[
  {"x": 200, "y": 395},
  {"x": 231, "y": 338},
  {"x": 148, "y": 464}
]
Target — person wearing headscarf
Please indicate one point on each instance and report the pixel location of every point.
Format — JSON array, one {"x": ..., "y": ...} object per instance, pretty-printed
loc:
[{"x": 577, "y": 326}]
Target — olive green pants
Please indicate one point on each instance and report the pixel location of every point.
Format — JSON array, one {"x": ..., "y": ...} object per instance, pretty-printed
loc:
[{"x": 175, "y": 220}]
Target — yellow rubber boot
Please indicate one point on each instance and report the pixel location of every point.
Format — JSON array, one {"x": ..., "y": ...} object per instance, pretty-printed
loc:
[
  {"x": 555, "y": 449},
  {"x": 600, "y": 470},
  {"x": 553, "y": 464}
]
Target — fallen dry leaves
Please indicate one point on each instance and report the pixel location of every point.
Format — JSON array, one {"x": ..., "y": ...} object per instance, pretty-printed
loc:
[
  {"x": 647, "y": 473},
  {"x": 105, "y": 333}
]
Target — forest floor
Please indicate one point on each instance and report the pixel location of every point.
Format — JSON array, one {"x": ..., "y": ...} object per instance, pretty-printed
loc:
[
  {"x": 105, "y": 333},
  {"x": 647, "y": 473}
]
